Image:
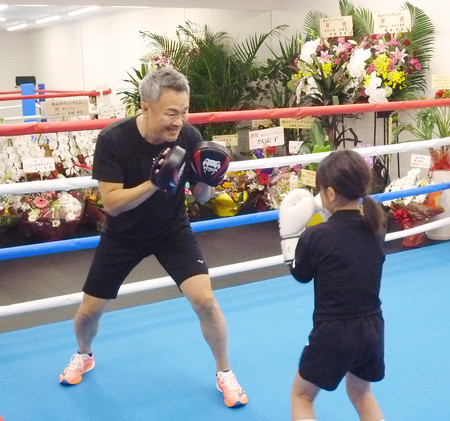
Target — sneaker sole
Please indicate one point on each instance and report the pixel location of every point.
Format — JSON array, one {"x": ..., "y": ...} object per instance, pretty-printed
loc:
[
  {"x": 66, "y": 383},
  {"x": 237, "y": 404}
]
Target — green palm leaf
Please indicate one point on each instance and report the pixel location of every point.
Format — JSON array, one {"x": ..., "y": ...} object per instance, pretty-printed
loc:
[
  {"x": 311, "y": 24},
  {"x": 362, "y": 23}
]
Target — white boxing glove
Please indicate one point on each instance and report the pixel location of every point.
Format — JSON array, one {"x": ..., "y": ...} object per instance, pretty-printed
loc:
[
  {"x": 324, "y": 213},
  {"x": 296, "y": 210}
]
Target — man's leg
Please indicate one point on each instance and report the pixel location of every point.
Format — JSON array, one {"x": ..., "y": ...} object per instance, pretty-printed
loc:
[
  {"x": 86, "y": 327},
  {"x": 198, "y": 291},
  {"x": 87, "y": 320}
]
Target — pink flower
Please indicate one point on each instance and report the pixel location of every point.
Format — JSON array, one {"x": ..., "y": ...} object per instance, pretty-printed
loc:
[
  {"x": 398, "y": 55},
  {"x": 324, "y": 57},
  {"x": 40, "y": 202},
  {"x": 380, "y": 47},
  {"x": 414, "y": 62},
  {"x": 370, "y": 68},
  {"x": 393, "y": 42}
]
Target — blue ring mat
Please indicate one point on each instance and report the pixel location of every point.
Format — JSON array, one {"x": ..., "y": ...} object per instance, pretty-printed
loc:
[{"x": 153, "y": 364}]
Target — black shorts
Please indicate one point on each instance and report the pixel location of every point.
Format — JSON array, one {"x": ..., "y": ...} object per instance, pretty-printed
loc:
[
  {"x": 114, "y": 259},
  {"x": 338, "y": 347}
]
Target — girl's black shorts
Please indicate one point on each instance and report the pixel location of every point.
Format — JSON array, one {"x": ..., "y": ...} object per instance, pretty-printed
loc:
[
  {"x": 114, "y": 259},
  {"x": 341, "y": 346}
]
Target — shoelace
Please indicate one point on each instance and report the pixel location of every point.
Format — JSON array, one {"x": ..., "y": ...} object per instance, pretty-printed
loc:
[
  {"x": 229, "y": 381},
  {"x": 76, "y": 362}
]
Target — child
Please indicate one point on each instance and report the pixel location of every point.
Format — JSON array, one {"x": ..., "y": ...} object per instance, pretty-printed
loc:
[{"x": 344, "y": 256}]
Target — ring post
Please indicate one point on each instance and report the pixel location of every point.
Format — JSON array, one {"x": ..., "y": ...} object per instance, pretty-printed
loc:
[{"x": 28, "y": 105}]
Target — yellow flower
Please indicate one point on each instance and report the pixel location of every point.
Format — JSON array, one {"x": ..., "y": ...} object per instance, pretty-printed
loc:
[
  {"x": 327, "y": 69},
  {"x": 381, "y": 64},
  {"x": 395, "y": 78}
]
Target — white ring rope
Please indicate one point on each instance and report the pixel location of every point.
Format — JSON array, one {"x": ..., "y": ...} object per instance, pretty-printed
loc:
[
  {"x": 136, "y": 287},
  {"x": 81, "y": 182}
]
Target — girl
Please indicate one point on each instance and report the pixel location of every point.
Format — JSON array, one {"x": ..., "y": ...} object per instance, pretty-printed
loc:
[{"x": 344, "y": 256}]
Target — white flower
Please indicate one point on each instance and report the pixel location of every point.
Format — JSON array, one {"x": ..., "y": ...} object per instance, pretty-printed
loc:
[
  {"x": 357, "y": 64},
  {"x": 374, "y": 91},
  {"x": 309, "y": 48}
]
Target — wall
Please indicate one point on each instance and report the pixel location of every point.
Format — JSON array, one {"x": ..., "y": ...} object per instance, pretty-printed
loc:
[{"x": 99, "y": 51}]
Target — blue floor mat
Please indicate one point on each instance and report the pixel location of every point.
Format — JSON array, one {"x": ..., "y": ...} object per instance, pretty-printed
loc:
[{"x": 152, "y": 362}]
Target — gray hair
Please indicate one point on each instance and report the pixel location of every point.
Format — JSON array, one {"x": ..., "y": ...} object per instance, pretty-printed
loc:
[{"x": 156, "y": 80}]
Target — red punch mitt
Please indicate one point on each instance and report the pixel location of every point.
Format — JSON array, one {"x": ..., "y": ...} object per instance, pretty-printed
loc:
[
  {"x": 209, "y": 163},
  {"x": 168, "y": 169}
]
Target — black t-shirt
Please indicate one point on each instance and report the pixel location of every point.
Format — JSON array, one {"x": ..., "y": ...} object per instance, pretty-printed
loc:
[
  {"x": 345, "y": 260},
  {"x": 122, "y": 155}
]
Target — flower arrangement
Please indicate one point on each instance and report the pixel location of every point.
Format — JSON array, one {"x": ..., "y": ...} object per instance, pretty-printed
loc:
[
  {"x": 392, "y": 63},
  {"x": 411, "y": 211},
  {"x": 378, "y": 68},
  {"x": 281, "y": 181},
  {"x": 8, "y": 212},
  {"x": 51, "y": 215},
  {"x": 235, "y": 189},
  {"x": 322, "y": 76}
]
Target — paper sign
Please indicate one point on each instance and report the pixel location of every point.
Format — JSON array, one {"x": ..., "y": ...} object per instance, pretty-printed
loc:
[
  {"x": 31, "y": 165},
  {"x": 392, "y": 22},
  {"x": 266, "y": 137},
  {"x": 112, "y": 111},
  {"x": 297, "y": 123},
  {"x": 440, "y": 82},
  {"x": 257, "y": 124},
  {"x": 293, "y": 181},
  {"x": 420, "y": 161},
  {"x": 226, "y": 139},
  {"x": 341, "y": 26},
  {"x": 294, "y": 146},
  {"x": 64, "y": 107},
  {"x": 308, "y": 178}
]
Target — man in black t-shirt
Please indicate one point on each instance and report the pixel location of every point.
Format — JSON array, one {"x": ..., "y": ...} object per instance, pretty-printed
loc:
[{"x": 142, "y": 220}]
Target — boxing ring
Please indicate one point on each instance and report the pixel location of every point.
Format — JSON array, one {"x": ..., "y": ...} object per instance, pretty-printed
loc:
[{"x": 268, "y": 324}]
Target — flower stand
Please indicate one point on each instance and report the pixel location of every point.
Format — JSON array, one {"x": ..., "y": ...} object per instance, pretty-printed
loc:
[{"x": 442, "y": 233}]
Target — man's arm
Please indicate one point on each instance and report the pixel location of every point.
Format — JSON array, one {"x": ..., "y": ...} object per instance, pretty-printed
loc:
[{"x": 116, "y": 199}]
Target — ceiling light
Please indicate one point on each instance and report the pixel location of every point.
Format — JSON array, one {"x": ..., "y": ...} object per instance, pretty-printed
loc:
[
  {"x": 2, "y": 19},
  {"x": 84, "y": 10},
  {"x": 48, "y": 19},
  {"x": 3, "y": 6},
  {"x": 16, "y": 27}
]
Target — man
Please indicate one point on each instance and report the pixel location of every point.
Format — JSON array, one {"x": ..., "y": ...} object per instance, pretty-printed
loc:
[{"x": 134, "y": 161}]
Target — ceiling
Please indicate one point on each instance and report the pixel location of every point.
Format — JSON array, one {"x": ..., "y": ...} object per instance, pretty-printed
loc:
[{"x": 27, "y": 11}]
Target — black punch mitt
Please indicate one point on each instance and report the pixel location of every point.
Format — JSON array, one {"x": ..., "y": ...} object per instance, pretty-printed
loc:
[
  {"x": 209, "y": 163},
  {"x": 167, "y": 174}
]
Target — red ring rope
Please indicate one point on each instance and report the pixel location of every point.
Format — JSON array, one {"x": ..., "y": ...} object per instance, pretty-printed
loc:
[
  {"x": 222, "y": 116},
  {"x": 62, "y": 94}
]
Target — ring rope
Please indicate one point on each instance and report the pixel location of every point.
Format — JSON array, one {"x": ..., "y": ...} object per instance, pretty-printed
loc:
[
  {"x": 224, "y": 116},
  {"x": 87, "y": 181},
  {"x": 55, "y": 95},
  {"x": 208, "y": 225},
  {"x": 147, "y": 285}
]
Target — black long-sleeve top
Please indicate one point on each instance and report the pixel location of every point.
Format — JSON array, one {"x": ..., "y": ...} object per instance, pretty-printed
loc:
[{"x": 345, "y": 260}]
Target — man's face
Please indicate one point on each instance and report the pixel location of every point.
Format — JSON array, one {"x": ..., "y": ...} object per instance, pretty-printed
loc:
[{"x": 165, "y": 118}]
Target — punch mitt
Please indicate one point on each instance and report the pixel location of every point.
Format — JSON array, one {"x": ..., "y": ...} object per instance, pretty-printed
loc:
[
  {"x": 296, "y": 210},
  {"x": 209, "y": 163},
  {"x": 168, "y": 168}
]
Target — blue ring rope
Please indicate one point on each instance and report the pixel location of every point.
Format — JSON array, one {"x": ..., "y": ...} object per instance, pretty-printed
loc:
[{"x": 199, "y": 226}]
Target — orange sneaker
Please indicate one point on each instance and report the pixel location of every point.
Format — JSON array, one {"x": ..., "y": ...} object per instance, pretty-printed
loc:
[
  {"x": 233, "y": 393},
  {"x": 79, "y": 364}
]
